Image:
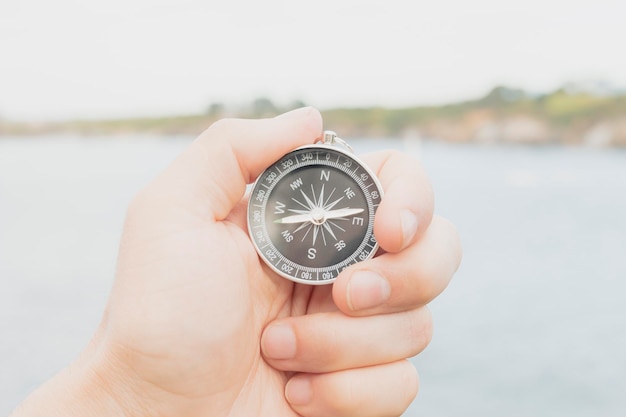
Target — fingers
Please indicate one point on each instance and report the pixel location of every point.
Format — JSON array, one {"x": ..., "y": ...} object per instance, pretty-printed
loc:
[
  {"x": 211, "y": 175},
  {"x": 407, "y": 206},
  {"x": 327, "y": 342},
  {"x": 384, "y": 390},
  {"x": 404, "y": 280}
]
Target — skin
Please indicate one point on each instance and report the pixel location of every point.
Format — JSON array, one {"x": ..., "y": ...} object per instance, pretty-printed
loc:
[{"x": 197, "y": 325}]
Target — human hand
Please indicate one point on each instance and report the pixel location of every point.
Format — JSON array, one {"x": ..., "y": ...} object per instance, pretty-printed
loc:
[{"x": 197, "y": 325}]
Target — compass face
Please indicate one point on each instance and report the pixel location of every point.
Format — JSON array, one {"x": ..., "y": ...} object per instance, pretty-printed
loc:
[{"x": 311, "y": 214}]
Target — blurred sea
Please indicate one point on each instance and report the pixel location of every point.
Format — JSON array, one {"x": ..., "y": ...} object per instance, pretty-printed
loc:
[{"x": 534, "y": 323}]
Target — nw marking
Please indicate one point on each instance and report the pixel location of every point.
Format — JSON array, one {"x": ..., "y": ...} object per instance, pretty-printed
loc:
[{"x": 296, "y": 184}]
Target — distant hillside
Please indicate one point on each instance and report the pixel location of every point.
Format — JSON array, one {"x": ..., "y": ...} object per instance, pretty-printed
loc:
[
  {"x": 569, "y": 115},
  {"x": 505, "y": 115}
]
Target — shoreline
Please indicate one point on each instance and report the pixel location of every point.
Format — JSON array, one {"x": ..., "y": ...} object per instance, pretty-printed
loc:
[{"x": 504, "y": 115}]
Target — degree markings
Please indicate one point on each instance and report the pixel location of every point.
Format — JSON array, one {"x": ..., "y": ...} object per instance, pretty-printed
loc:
[{"x": 322, "y": 161}]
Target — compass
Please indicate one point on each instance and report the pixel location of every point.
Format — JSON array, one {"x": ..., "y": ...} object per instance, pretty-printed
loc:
[{"x": 311, "y": 213}]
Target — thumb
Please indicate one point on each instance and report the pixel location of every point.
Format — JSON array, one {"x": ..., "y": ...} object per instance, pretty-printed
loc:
[{"x": 211, "y": 175}]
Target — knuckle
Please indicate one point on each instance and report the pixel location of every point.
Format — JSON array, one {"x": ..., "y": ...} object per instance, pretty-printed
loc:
[
  {"x": 419, "y": 330},
  {"x": 220, "y": 127},
  {"x": 312, "y": 126},
  {"x": 395, "y": 158},
  {"x": 219, "y": 134},
  {"x": 395, "y": 155}
]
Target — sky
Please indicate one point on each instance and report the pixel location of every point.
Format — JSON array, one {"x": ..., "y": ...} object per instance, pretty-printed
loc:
[{"x": 68, "y": 59}]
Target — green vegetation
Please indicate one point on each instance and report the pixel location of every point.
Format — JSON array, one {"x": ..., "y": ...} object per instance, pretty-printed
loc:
[
  {"x": 568, "y": 115},
  {"x": 505, "y": 115}
]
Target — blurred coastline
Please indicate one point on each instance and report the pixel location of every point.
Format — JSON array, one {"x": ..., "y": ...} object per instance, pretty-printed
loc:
[{"x": 585, "y": 114}]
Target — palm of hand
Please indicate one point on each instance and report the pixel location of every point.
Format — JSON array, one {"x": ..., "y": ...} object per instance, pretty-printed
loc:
[{"x": 207, "y": 296}]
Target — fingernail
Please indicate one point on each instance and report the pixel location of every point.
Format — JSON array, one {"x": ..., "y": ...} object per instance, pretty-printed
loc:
[
  {"x": 367, "y": 289},
  {"x": 408, "y": 221},
  {"x": 298, "y": 390},
  {"x": 279, "y": 342}
]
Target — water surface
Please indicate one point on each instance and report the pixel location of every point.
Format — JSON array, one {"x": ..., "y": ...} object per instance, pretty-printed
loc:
[{"x": 534, "y": 324}]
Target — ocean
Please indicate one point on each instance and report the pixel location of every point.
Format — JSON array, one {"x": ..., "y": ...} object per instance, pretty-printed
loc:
[{"x": 533, "y": 324}]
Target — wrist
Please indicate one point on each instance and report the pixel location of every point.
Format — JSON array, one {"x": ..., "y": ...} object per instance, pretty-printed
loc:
[{"x": 89, "y": 387}]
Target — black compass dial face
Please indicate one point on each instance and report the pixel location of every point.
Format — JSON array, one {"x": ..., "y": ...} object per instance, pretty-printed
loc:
[{"x": 311, "y": 214}]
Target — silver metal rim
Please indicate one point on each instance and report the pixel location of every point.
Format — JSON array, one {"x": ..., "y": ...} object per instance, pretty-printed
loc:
[{"x": 348, "y": 152}]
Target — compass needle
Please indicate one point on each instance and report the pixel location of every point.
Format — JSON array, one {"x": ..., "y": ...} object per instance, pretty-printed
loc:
[
  {"x": 336, "y": 214},
  {"x": 299, "y": 211},
  {"x": 296, "y": 218}
]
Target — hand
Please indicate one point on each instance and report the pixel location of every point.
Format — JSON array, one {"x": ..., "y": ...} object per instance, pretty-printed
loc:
[{"x": 196, "y": 325}]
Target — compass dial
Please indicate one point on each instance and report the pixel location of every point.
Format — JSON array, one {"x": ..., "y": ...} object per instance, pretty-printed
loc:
[{"x": 311, "y": 214}]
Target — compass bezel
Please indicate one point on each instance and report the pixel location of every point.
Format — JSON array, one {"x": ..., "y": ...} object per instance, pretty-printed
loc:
[{"x": 261, "y": 191}]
